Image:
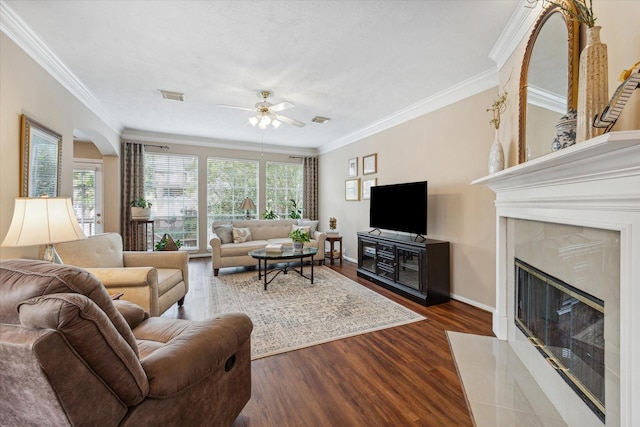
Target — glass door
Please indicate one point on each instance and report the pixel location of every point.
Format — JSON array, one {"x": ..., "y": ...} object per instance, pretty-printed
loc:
[{"x": 87, "y": 196}]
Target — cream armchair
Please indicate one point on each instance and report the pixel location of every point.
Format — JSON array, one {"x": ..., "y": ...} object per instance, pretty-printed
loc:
[{"x": 153, "y": 280}]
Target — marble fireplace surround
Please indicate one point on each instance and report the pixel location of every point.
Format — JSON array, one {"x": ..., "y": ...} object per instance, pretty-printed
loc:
[{"x": 593, "y": 184}]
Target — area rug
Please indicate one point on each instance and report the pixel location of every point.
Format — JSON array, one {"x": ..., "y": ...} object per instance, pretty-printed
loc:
[{"x": 293, "y": 313}]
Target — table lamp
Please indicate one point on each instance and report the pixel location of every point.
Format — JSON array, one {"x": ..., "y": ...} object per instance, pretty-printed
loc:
[
  {"x": 247, "y": 204},
  {"x": 43, "y": 221}
]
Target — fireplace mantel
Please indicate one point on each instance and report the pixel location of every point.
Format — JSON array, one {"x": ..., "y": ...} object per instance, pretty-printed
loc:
[{"x": 595, "y": 184}]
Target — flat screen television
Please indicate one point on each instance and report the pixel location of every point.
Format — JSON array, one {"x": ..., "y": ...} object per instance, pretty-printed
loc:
[{"x": 399, "y": 207}]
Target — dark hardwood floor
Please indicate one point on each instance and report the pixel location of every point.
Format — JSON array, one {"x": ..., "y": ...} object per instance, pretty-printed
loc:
[{"x": 402, "y": 376}]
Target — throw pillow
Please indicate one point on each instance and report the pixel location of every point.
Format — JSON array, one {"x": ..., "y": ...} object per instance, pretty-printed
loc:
[
  {"x": 224, "y": 231},
  {"x": 313, "y": 225},
  {"x": 241, "y": 235}
]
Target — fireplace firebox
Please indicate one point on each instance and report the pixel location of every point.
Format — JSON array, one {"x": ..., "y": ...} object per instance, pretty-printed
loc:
[{"x": 567, "y": 326}]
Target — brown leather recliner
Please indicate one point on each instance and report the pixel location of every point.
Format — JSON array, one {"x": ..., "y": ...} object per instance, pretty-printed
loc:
[{"x": 71, "y": 356}]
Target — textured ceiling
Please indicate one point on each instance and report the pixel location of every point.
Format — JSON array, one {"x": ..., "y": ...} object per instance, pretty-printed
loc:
[{"x": 356, "y": 62}]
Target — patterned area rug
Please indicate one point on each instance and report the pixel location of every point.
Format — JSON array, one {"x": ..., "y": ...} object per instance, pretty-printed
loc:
[{"x": 292, "y": 313}]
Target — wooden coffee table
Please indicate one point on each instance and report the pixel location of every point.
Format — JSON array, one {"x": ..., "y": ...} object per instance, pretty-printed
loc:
[{"x": 287, "y": 255}]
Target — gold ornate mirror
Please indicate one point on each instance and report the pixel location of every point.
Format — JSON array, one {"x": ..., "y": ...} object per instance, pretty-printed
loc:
[
  {"x": 548, "y": 80},
  {"x": 40, "y": 159}
]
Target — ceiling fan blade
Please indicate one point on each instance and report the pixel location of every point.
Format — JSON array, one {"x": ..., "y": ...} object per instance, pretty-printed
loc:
[
  {"x": 282, "y": 106},
  {"x": 235, "y": 107},
  {"x": 289, "y": 120}
]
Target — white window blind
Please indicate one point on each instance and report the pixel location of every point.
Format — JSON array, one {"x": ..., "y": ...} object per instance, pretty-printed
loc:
[
  {"x": 229, "y": 182},
  {"x": 171, "y": 185},
  {"x": 284, "y": 183}
]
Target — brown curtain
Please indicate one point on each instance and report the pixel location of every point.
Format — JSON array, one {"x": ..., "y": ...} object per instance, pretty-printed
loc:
[
  {"x": 132, "y": 185},
  {"x": 310, "y": 187}
]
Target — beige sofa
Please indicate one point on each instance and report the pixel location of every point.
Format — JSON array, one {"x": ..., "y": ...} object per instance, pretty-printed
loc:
[
  {"x": 153, "y": 280},
  {"x": 225, "y": 253}
]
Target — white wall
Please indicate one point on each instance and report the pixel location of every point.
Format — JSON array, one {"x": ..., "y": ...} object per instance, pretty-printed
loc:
[{"x": 449, "y": 148}]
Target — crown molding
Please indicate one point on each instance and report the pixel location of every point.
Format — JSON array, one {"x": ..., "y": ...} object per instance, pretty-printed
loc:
[
  {"x": 462, "y": 90},
  {"x": 518, "y": 27},
  {"x": 166, "y": 138},
  {"x": 545, "y": 99},
  {"x": 17, "y": 30}
]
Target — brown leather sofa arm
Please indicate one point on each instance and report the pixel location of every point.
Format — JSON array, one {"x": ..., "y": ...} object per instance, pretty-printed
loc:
[
  {"x": 193, "y": 352},
  {"x": 126, "y": 277}
]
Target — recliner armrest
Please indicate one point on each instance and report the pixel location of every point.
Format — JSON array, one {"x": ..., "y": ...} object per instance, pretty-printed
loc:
[{"x": 192, "y": 350}]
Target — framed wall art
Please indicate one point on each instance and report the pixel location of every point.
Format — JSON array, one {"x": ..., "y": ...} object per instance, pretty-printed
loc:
[
  {"x": 366, "y": 187},
  {"x": 370, "y": 164},
  {"x": 352, "y": 167},
  {"x": 40, "y": 159},
  {"x": 352, "y": 189}
]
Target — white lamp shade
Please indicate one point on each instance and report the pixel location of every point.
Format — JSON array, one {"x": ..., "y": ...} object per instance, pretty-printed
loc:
[{"x": 42, "y": 220}]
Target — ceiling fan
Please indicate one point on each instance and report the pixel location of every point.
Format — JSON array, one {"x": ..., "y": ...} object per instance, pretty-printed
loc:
[{"x": 267, "y": 113}]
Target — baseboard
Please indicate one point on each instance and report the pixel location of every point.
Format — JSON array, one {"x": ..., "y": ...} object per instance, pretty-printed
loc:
[{"x": 473, "y": 303}]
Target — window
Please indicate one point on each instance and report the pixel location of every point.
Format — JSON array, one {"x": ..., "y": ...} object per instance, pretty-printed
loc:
[
  {"x": 284, "y": 182},
  {"x": 228, "y": 183},
  {"x": 171, "y": 185}
]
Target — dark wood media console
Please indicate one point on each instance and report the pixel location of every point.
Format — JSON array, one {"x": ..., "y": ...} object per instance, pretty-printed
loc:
[{"x": 418, "y": 270}]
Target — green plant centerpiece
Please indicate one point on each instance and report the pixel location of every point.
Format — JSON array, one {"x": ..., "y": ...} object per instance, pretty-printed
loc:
[
  {"x": 140, "y": 209},
  {"x": 299, "y": 236}
]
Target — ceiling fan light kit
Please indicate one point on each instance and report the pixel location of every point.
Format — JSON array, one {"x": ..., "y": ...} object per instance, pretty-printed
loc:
[{"x": 267, "y": 113}]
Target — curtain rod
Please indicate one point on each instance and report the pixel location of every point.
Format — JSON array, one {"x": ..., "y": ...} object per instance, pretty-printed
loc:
[{"x": 162, "y": 147}]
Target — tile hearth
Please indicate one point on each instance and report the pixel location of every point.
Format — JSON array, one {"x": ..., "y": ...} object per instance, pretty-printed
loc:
[{"x": 499, "y": 389}]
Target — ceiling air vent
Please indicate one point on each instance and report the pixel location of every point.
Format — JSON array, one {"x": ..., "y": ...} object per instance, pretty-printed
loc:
[
  {"x": 174, "y": 96},
  {"x": 320, "y": 119}
]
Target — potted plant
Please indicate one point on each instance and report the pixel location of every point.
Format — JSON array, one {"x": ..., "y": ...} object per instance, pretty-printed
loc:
[
  {"x": 296, "y": 213},
  {"x": 269, "y": 214},
  {"x": 140, "y": 208},
  {"x": 299, "y": 237},
  {"x": 168, "y": 244}
]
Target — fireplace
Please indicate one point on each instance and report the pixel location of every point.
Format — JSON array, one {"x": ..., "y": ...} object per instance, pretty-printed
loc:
[
  {"x": 566, "y": 325},
  {"x": 574, "y": 215}
]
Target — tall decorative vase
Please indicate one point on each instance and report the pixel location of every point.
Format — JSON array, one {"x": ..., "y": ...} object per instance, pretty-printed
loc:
[
  {"x": 496, "y": 155},
  {"x": 593, "y": 85}
]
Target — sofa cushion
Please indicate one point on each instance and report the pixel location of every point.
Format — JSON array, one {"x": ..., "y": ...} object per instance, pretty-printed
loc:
[
  {"x": 100, "y": 250},
  {"x": 224, "y": 232},
  {"x": 313, "y": 225},
  {"x": 87, "y": 328},
  {"x": 241, "y": 249},
  {"x": 168, "y": 278},
  {"x": 241, "y": 235}
]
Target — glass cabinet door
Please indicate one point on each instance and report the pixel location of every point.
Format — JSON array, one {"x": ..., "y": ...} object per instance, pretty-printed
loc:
[
  {"x": 409, "y": 267},
  {"x": 367, "y": 255}
]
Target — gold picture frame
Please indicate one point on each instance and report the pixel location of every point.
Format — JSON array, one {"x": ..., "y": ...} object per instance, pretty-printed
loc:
[
  {"x": 352, "y": 190},
  {"x": 366, "y": 187},
  {"x": 40, "y": 159},
  {"x": 370, "y": 164}
]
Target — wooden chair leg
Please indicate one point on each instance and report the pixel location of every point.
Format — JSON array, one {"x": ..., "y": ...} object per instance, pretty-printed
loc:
[{"x": 181, "y": 302}]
